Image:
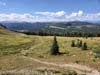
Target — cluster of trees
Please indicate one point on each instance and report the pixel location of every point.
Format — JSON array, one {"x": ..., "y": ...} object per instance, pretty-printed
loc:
[
  {"x": 55, "y": 46},
  {"x": 79, "y": 44},
  {"x": 67, "y": 34}
]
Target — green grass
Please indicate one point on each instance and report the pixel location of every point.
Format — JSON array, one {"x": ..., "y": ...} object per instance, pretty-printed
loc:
[{"x": 12, "y": 44}]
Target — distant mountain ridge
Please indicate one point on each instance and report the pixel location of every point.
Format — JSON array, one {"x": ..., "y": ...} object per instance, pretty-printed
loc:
[
  {"x": 2, "y": 26},
  {"x": 48, "y": 26}
]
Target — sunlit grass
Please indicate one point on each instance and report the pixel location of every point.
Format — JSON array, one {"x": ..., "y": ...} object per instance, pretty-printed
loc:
[{"x": 39, "y": 47}]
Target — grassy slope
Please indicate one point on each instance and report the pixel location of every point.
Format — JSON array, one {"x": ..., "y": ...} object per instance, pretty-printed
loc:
[
  {"x": 11, "y": 42},
  {"x": 13, "y": 45},
  {"x": 73, "y": 54}
]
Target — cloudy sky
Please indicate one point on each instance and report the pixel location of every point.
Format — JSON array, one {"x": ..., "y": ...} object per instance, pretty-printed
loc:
[{"x": 49, "y": 10}]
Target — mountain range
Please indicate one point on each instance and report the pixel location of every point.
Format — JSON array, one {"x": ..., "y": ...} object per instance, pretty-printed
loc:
[{"x": 73, "y": 26}]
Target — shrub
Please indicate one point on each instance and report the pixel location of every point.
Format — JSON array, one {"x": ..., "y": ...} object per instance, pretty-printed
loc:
[
  {"x": 80, "y": 43},
  {"x": 73, "y": 43},
  {"x": 77, "y": 61},
  {"x": 70, "y": 72},
  {"x": 84, "y": 47},
  {"x": 96, "y": 50}
]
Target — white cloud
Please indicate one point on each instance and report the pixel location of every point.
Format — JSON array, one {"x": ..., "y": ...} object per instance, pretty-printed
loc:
[
  {"x": 80, "y": 13},
  {"x": 60, "y": 13},
  {"x": 2, "y": 3},
  {"x": 43, "y": 13},
  {"x": 50, "y": 16},
  {"x": 17, "y": 17},
  {"x": 76, "y": 14}
]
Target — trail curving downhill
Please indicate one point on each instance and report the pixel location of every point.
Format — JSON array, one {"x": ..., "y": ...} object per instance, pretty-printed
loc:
[{"x": 72, "y": 65}]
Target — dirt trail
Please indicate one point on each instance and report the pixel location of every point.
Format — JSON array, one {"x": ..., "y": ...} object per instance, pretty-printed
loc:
[{"x": 77, "y": 66}]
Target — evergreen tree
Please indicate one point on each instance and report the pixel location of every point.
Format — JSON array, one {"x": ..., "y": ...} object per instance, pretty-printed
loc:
[
  {"x": 73, "y": 43},
  {"x": 80, "y": 43},
  {"x": 55, "y": 47},
  {"x": 84, "y": 47}
]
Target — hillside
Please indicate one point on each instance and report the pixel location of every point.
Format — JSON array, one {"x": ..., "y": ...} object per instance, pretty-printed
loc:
[
  {"x": 73, "y": 26},
  {"x": 2, "y": 26},
  {"x": 9, "y": 40},
  {"x": 24, "y": 54}
]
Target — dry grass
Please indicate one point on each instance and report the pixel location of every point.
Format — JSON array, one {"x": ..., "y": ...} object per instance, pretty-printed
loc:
[{"x": 39, "y": 47}]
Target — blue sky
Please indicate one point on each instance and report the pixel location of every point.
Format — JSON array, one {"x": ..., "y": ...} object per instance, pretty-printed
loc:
[
  {"x": 40, "y": 9},
  {"x": 29, "y": 6}
]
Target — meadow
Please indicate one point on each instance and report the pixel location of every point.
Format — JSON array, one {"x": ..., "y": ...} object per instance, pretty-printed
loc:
[{"x": 13, "y": 46}]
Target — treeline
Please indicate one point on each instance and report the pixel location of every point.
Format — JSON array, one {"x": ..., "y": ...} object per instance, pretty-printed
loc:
[{"x": 68, "y": 34}]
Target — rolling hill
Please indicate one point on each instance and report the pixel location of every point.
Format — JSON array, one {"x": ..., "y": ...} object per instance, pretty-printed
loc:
[
  {"x": 23, "y": 54},
  {"x": 74, "y": 26}
]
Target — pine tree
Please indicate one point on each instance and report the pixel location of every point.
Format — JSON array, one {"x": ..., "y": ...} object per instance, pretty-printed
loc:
[
  {"x": 73, "y": 43},
  {"x": 55, "y": 47},
  {"x": 84, "y": 47},
  {"x": 80, "y": 43}
]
